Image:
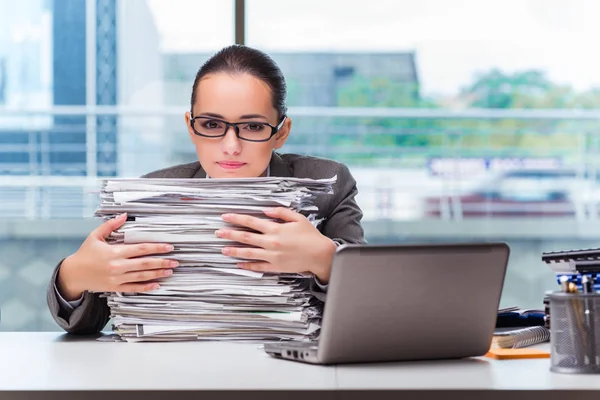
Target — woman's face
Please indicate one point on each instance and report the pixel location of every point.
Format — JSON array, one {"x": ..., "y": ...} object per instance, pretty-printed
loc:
[{"x": 234, "y": 98}]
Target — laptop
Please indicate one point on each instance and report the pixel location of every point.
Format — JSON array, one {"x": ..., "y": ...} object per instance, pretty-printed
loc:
[{"x": 406, "y": 302}]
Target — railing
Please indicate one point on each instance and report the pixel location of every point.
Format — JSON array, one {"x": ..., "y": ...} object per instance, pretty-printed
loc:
[{"x": 51, "y": 159}]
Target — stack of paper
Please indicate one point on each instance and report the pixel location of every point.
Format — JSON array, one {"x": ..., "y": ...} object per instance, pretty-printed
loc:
[{"x": 208, "y": 297}]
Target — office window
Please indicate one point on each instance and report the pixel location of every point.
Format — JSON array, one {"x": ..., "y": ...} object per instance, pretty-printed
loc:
[
  {"x": 59, "y": 60},
  {"x": 438, "y": 107},
  {"x": 433, "y": 102}
]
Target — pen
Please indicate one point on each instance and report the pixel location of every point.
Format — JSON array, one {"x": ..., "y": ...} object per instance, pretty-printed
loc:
[
  {"x": 572, "y": 288},
  {"x": 580, "y": 341},
  {"x": 587, "y": 283},
  {"x": 564, "y": 283},
  {"x": 572, "y": 346},
  {"x": 588, "y": 288}
]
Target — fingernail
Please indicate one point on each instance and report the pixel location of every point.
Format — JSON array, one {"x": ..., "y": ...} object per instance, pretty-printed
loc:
[
  {"x": 173, "y": 263},
  {"x": 269, "y": 210},
  {"x": 154, "y": 286},
  {"x": 167, "y": 272},
  {"x": 169, "y": 247},
  {"x": 226, "y": 251},
  {"x": 226, "y": 217},
  {"x": 218, "y": 233}
]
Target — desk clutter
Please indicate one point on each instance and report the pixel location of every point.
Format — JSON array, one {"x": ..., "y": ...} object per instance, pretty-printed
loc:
[
  {"x": 573, "y": 312},
  {"x": 512, "y": 317},
  {"x": 569, "y": 319},
  {"x": 208, "y": 297},
  {"x": 520, "y": 337},
  {"x": 517, "y": 330}
]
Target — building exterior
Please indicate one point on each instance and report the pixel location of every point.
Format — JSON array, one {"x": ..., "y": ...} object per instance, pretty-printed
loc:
[
  {"x": 51, "y": 71},
  {"x": 58, "y": 145}
]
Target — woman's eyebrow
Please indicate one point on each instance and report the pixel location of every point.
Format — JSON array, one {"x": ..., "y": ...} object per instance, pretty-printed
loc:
[
  {"x": 208, "y": 114},
  {"x": 246, "y": 116},
  {"x": 250, "y": 116}
]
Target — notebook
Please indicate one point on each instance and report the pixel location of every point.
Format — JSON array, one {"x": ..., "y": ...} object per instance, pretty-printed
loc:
[
  {"x": 520, "y": 337},
  {"x": 519, "y": 311},
  {"x": 512, "y": 317}
]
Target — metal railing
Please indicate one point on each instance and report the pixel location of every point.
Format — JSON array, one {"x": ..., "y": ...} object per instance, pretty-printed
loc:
[{"x": 51, "y": 159}]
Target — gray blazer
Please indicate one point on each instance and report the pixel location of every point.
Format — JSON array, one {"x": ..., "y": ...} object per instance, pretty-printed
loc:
[{"x": 342, "y": 223}]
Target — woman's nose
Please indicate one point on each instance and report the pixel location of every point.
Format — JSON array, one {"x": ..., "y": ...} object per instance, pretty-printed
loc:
[{"x": 230, "y": 143}]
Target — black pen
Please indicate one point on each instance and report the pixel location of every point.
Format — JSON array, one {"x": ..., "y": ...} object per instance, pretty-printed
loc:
[
  {"x": 588, "y": 284},
  {"x": 588, "y": 289}
]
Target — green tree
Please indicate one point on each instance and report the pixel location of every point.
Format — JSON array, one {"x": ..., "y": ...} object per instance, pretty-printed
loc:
[
  {"x": 588, "y": 99},
  {"x": 497, "y": 89},
  {"x": 526, "y": 90},
  {"x": 385, "y": 135},
  {"x": 402, "y": 138},
  {"x": 529, "y": 89},
  {"x": 378, "y": 92}
]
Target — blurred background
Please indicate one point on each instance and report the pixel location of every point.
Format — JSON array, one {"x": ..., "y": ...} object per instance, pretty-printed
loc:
[{"x": 461, "y": 120}]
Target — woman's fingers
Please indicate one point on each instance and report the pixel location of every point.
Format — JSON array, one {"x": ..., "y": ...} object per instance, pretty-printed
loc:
[
  {"x": 144, "y": 276},
  {"x": 246, "y": 253},
  {"x": 140, "y": 264},
  {"x": 140, "y": 249}
]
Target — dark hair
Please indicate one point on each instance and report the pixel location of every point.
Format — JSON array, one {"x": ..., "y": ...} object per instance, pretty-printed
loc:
[{"x": 243, "y": 59}]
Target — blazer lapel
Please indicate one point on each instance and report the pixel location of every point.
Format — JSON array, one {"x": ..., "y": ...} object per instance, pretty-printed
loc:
[
  {"x": 200, "y": 173},
  {"x": 279, "y": 167}
]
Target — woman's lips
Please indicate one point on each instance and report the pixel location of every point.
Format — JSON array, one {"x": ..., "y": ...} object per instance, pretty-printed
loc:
[{"x": 231, "y": 164}]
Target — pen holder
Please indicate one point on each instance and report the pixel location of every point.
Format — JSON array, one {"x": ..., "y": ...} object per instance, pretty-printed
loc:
[{"x": 575, "y": 333}]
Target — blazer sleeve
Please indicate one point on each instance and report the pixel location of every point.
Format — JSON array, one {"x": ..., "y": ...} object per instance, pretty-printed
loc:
[
  {"x": 343, "y": 221},
  {"x": 91, "y": 316}
]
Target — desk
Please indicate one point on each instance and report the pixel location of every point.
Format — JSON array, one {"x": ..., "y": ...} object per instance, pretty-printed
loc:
[{"x": 60, "y": 362}]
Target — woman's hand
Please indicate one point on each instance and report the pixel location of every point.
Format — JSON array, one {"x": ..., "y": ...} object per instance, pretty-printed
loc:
[
  {"x": 99, "y": 266},
  {"x": 292, "y": 246}
]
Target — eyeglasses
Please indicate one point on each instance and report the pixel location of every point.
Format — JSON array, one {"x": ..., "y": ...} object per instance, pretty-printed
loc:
[{"x": 251, "y": 131}]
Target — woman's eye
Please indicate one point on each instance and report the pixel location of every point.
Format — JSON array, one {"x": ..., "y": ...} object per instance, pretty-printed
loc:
[
  {"x": 212, "y": 125},
  {"x": 255, "y": 127}
]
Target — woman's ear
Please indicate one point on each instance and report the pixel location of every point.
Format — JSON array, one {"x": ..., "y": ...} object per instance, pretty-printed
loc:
[
  {"x": 283, "y": 134},
  {"x": 188, "y": 124}
]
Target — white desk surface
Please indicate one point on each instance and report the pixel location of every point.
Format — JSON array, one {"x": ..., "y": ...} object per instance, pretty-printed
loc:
[{"x": 56, "y": 361}]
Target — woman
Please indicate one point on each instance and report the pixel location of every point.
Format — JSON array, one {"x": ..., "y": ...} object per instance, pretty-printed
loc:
[{"x": 237, "y": 119}]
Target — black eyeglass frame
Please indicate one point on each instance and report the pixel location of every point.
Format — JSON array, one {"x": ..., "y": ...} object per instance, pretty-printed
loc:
[{"x": 234, "y": 125}]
